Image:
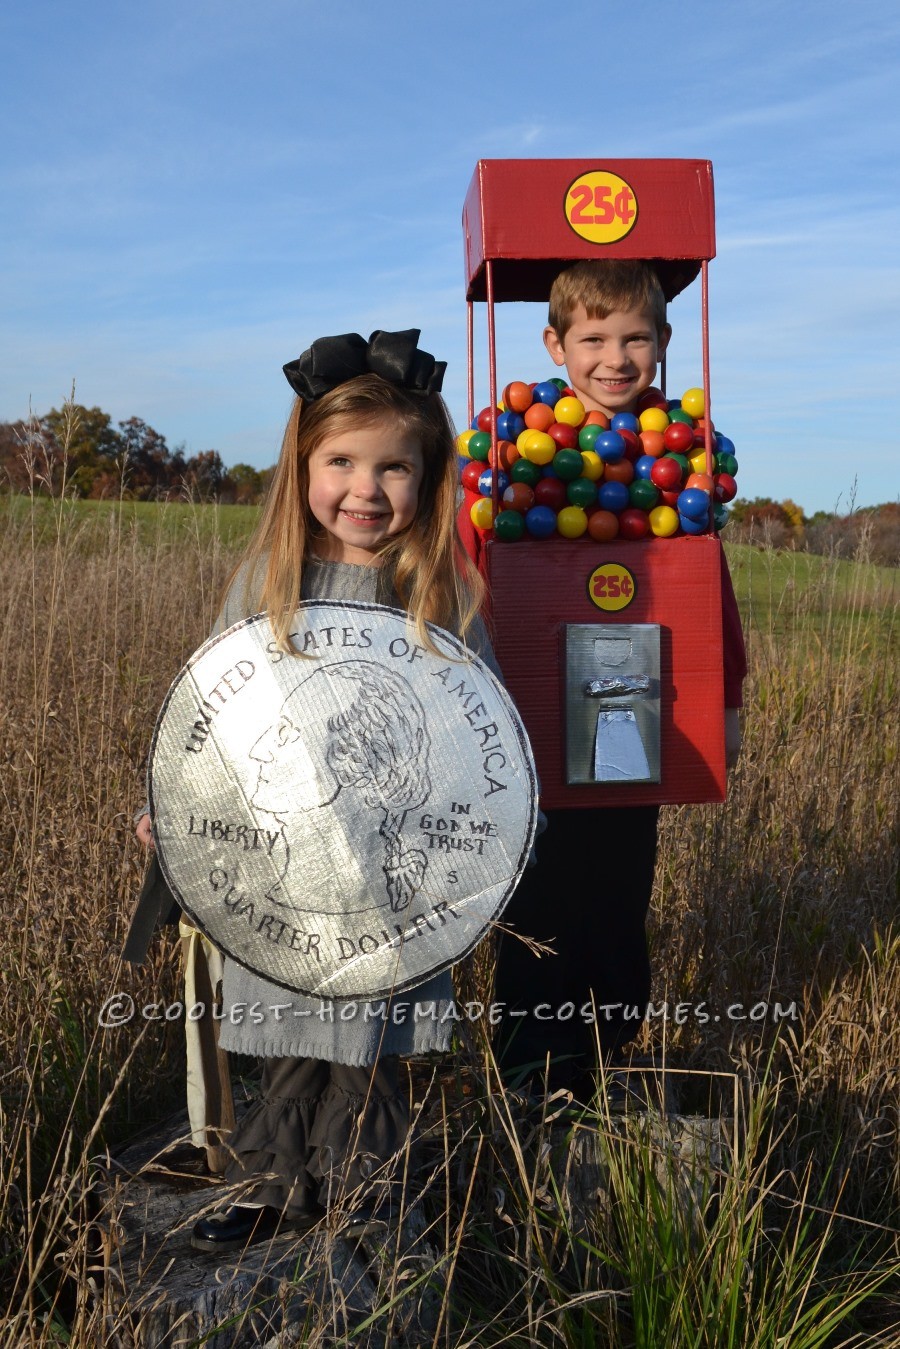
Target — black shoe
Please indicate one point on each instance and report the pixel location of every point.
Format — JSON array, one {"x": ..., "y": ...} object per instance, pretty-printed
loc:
[{"x": 241, "y": 1227}]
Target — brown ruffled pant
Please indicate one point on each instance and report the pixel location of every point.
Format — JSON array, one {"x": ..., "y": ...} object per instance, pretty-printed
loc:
[{"x": 320, "y": 1132}]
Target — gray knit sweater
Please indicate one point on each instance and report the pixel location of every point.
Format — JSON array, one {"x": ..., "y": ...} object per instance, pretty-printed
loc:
[{"x": 264, "y": 1019}]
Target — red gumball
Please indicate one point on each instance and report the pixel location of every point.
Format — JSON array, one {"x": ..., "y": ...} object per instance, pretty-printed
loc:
[
  {"x": 633, "y": 446},
  {"x": 485, "y": 419},
  {"x": 518, "y": 497},
  {"x": 670, "y": 498},
  {"x": 470, "y": 475},
  {"x": 679, "y": 437},
  {"x": 666, "y": 473},
  {"x": 652, "y": 398},
  {"x": 565, "y": 436},
  {"x": 551, "y": 492},
  {"x": 634, "y": 524},
  {"x": 623, "y": 471},
  {"x": 725, "y": 488}
]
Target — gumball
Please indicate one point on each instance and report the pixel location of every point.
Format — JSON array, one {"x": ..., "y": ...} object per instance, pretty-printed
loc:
[
  {"x": 539, "y": 417},
  {"x": 485, "y": 419},
  {"x": 621, "y": 472},
  {"x": 603, "y": 526},
  {"x": 653, "y": 419},
  {"x": 664, "y": 522},
  {"x": 679, "y": 415},
  {"x": 651, "y": 398},
  {"x": 725, "y": 488},
  {"x": 701, "y": 423},
  {"x": 678, "y": 437},
  {"x": 597, "y": 419},
  {"x": 634, "y": 524},
  {"x": 509, "y": 425},
  {"x": 560, "y": 383},
  {"x": 546, "y": 392},
  {"x": 723, "y": 444},
  {"x": 481, "y": 513},
  {"x": 509, "y": 526},
  {"x": 693, "y": 526},
  {"x": 643, "y": 494},
  {"x": 479, "y": 446},
  {"x": 593, "y": 465},
  {"x": 540, "y": 522},
  {"x": 462, "y": 443},
  {"x": 610, "y": 446},
  {"x": 518, "y": 497},
  {"x": 697, "y": 461},
  {"x": 693, "y": 504},
  {"x": 701, "y": 480},
  {"x": 680, "y": 459},
  {"x": 581, "y": 492},
  {"x": 486, "y": 482},
  {"x": 550, "y": 492},
  {"x": 721, "y": 515},
  {"x": 523, "y": 470},
  {"x": 470, "y": 475},
  {"x": 666, "y": 473},
  {"x": 669, "y": 498},
  {"x": 571, "y": 522},
  {"x": 653, "y": 443},
  {"x": 517, "y": 396},
  {"x": 537, "y": 446},
  {"x": 587, "y": 436},
  {"x": 568, "y": 464},
  {"x": 625, "y": 421},
  {"x": 565, "y": 436},
  {"x": 633, "y": 447},
  {"x": 693, "y": 401},
  {"x": 613, "y": 496},
  {"x": 644, "y": 466},
  {"x": 504, "y": 455},
  {"x": 570, "y": 411},
  {"x": 726, "y": 463}
]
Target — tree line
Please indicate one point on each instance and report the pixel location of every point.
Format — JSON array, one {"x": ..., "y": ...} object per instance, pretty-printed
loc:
[
  {"x": 872, "y": 532},
  {"x": 76, "y": 450}
]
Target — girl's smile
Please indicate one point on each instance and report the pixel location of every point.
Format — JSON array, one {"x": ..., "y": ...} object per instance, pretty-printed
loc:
[{"x": 364, "y": 489}]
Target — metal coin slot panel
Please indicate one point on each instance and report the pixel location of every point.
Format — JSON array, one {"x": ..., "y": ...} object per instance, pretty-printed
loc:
[{"x": 612, "y": 702}]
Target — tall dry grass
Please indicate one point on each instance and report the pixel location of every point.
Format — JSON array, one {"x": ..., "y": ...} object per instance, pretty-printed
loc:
[{"x": 788, "y": 894}]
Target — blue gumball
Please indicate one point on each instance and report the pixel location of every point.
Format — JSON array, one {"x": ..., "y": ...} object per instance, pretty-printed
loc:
[
  {"x": 540, "y": 522},
  {"x": 610, "y": 446},
  {"x": 485, "y": 482},
  {"x": 613, "y": 496},
  {"x": 694, "y": 503},
  {"x": 644, "y": 465},
  {"x": 692, "y": 526},
  {"x": 625, "y": 421},
  {"x": 510, "y": 426},
  {"x": 547, "y": 392},
  {"x": 723, "y": 444}
]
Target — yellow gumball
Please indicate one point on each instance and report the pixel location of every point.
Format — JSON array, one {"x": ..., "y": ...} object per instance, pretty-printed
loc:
[
  {"x": 593, "y": 465},
  {"x": 570, "y": 411},
  {"x": 481, "y": 513},
  {"x": 653, "y": 419},
  {"x": 664, "y": 521},
  {"x": 521, "y": 439},
  {"x": 697, "y": 460},
  {"x": 693, "y": 402},
  {"x": 537, "y": 446},
  {"x": 462, "y": 443},
  {"x": 571, "y": 522}
]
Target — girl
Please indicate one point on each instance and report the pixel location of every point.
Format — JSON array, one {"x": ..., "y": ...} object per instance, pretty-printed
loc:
[{"x": 362, "y": 506}]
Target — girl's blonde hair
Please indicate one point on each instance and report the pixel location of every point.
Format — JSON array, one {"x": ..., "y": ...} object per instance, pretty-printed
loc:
[{"x": 432, "y": 576}]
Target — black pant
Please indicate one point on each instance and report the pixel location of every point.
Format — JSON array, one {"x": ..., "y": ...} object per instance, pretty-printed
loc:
[{"x": 588, "y": 895}]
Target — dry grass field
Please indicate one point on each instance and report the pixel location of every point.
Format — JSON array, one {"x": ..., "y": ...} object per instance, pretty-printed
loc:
[{"x": 787, "y": 895}]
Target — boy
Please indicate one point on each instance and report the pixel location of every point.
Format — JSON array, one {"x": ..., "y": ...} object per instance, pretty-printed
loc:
[{"x": 607, "y": 326}]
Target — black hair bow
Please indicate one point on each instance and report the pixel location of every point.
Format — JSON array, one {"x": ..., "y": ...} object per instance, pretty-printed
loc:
[{"x": 331, "y": 361}]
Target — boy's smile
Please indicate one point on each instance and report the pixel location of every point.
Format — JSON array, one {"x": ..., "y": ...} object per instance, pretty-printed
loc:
[
  {"x": 611, "y": 361},
  {"x": 364, "y": 488}
]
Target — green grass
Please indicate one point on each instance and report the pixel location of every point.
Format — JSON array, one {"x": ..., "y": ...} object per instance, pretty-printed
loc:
[{"x": 151, "y": 521}]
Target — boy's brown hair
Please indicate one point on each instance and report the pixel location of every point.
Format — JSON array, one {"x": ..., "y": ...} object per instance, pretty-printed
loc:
[{"x": 603, "y": 286}]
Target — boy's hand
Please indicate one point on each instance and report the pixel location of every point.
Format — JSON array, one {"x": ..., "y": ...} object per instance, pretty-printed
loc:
[
  {"x": 143, "y": 831},
  {"x": 732, "y": 736}
]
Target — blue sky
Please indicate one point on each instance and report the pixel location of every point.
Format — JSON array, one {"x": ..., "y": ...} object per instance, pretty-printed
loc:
[{"x": 193, "y": 192}]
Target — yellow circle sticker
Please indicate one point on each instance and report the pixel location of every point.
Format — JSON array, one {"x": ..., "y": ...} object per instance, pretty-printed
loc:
[
  {"x": 611, "y": 587},
  {"x": 601, "y": 207}
]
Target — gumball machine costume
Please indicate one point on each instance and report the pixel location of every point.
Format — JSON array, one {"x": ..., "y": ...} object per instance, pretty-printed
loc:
[{"x": 597, "y": 537}]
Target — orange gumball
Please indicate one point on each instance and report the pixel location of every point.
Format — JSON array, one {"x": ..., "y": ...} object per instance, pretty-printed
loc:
[
  {"x": 505, "y": 455},
  {"x": 701, "y": 480},
  {"x": 653, "y": 443},
  {"x": 597, "y": 419},
  {"x": 539, "y": 417},
  {"x": 603, "y": 526},
  {"x": 623, "y": 472},
  {"x": 517, "y": 396}
]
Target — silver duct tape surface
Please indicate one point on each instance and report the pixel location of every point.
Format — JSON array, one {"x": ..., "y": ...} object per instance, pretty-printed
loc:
[{"x": 348, "y": 824}]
